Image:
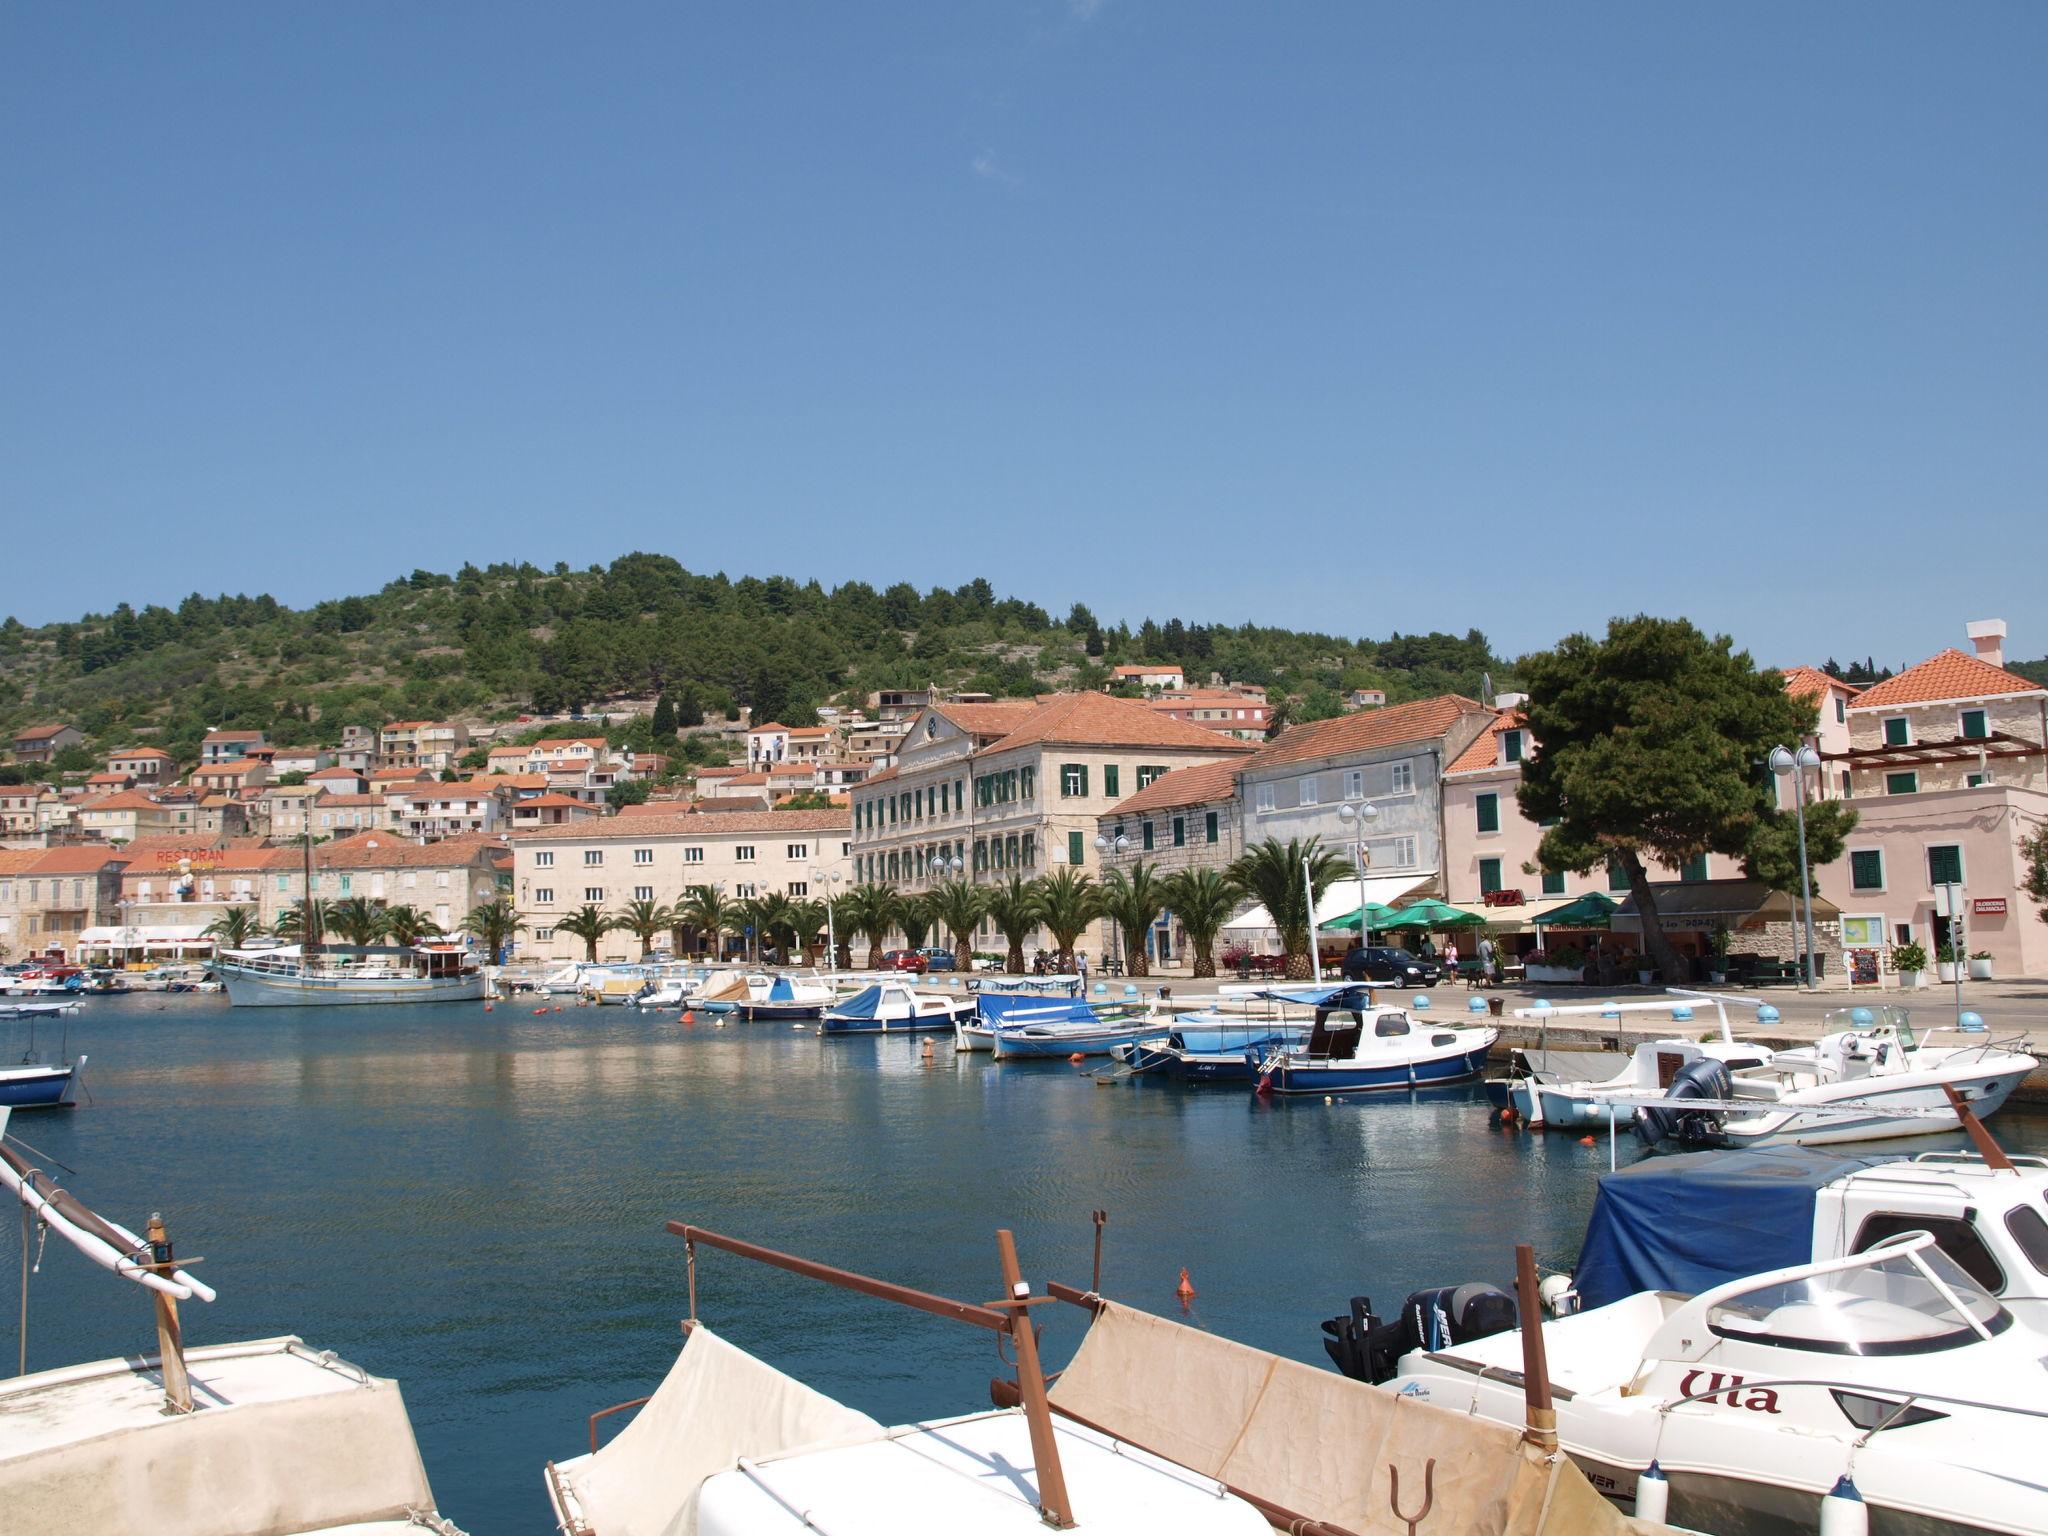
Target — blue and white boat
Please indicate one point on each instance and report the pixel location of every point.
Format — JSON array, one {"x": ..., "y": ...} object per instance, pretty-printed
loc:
[
  {"x": 32, "y": 1081},
  {"x": 1211, "y": 1048},
  {"x": 786, "y": 998},
  {"x": 1070, "y": 1027},
  {"x": 890, "y": 1007},
  {"x": 1376, "y": 1049}
]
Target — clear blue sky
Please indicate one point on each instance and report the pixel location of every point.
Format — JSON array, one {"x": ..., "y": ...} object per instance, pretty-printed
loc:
[{"x": 1340, "y": 316}]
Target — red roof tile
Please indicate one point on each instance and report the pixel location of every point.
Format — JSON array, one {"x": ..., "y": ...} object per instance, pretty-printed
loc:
[
  {"x": 1484, "y": 752},
  {"x": 1423, "y": 720},
  {"x": 1812, "y": 684},
  {"x": 1102, "y": 720},
  {"x": 1185, "y": 786},
  {"x": 691, "y": 823},
  {"x": 1948, "y": 674},
  {"x": 86, "y": 859}
]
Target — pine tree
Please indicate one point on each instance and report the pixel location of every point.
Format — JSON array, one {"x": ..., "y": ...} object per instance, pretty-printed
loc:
[
  {"x": 664, "y": 724},
  {"x": 689, "y": 713}
]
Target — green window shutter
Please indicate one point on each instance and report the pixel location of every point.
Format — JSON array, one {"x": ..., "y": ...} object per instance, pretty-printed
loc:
[
  {"x": 1866, "y": 870},
  {"x": 1112, "y": 777},
  {"x": 1030, "y": 782},
  {"x": 1974, "y": 725},
  {"x": 1209, "y": 826},
  {"x": 1145, "y": 838},
  {"x": 1511, "y": 746},
  {"x": 1945, "y": 865},
  {"x": 1489, "y": 876},
  {"x": 1074, "y": 854},
  {"x": 1553, "y": 883},
  {"x": 1617, "y": 877},
  {"x": 1489, "y": 813},
  {"x": 1907, "y": 783},
  {"x": 1694, "y": 869},
  {"x": 1009, "y": 783},
  {"x": 1897, "y": 732},
  {"x": 1180, "y": 831}
]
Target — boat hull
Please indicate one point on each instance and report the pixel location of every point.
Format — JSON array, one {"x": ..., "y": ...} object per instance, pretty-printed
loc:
[
  {"x": 35, "y": 1087},
  {"x": 1986, "y": 1095},
  {"x": 1022, "y": 1045},
  {"x": 1299, "y": 1078},
  {"x": 256, "y": 989}
]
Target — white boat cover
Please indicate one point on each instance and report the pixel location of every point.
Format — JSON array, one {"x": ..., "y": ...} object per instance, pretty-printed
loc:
[
  {"x": 1317, "y": 1443},
  {"x": 716, "y": 1404}
]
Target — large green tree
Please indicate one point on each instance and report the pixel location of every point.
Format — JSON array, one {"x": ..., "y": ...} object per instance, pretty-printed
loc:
[
  {"x": 1013, "y": 907},
  {"x": 1068, "y": 901},
  {"x": 958, "y": 907},
  {"x": 1204, "y": 900},
  {"x": 1652, "y": 747},
  {"x": 1288, "y": 879}
]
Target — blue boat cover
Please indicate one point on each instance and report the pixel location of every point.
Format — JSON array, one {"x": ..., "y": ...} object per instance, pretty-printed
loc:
[
  {"x": 780, "y": 991},
  {"x": 1694, "y": 1221},
  {"x": 1037, "y": 1008},
  {"x": 862, "y": 1005}
]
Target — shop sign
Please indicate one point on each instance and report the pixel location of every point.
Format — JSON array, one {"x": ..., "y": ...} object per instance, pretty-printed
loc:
[{"x": 1988, "y": 906}]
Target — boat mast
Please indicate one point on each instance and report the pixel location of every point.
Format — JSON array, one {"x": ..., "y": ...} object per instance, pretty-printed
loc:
[{"x": 309, "y": 924}]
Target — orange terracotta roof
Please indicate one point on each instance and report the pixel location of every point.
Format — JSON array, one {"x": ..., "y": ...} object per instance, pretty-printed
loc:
[
  {"x": 81, "y": 860},
  {"x": 786, "y": 769},
  {"x": 692, "y": 824},
  {"x": 1142, "y": 670},
  {"x": 1184, "y": 786},
  {"x": 772, "y": 725},
  {"x": 555, "y": 802},
  {"x": 14, "y": 861},
  {"x": 233, "y": 736},
  {"x": 127, "y": 800},
  {"x": 1948, "y": 674},
  {"x": 108, "y": 778},
  {"x": 128, "y": 752},
  {"x": 1813, "y": 684},
  {"x": 336, "y": 772},
  {"x": 997, "y": 719},
  {"x": 40, "y": 732},
  {"x": 1100, "y": 720},
  {"x": 1423, "y": 720},
  {"x": 392, "y": 852},
  {"x": 595, "y": 742},
  {"x": 329, "y": 800},
  {"x": 1484, "y": 752}
]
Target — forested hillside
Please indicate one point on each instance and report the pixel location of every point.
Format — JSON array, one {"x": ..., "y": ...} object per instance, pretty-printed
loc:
[{"x": 512, "y": 638}]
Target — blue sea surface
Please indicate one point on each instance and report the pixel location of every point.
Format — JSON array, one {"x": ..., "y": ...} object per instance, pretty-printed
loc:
[{"x": 472, "y": 1202}]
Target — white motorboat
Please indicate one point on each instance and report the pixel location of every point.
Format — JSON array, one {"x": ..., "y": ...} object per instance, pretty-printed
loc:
[
  {"x": 266, "y": 1438},
  {"x": 344, "y": 976},
  {"x": 781, "y": 997},
  {"x": 1887, "y": 1379},
  {"x": 1380, "y": 1048},
  {"x": 894, "y": 1006},
  {"x": 668, "y": 992}
]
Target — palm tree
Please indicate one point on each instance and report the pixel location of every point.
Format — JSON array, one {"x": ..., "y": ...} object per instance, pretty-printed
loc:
[
  {"x": 1132, "y": 899},
  {"x": 914, "y": 917},
  {"x": 589, "y": 924},
  {"x": 1013, "y": 908},
  {"x": 292, "y": 922},
  {"x": 233, "y": 929},
  {"x": 493, "y": 925},
  {"x": 870, "y": 911},
  {"x": 358, "y": 920},
  {"x": 807, "y": 922},
  {"x": 407, "y": 925},
  {"x": 746, "y": 921},
  {"x": 1204, "y": 900},
  {"x": 1067, "y": 905},
  {"x": 957, "y": 906},
  {"x": 835, "y": 925},
  {"x": 703, "y": 909},
  {"x": 643, "y": 919},
  {"x": 775, "y": 919},
  {"x": 1272, "y": 873}
]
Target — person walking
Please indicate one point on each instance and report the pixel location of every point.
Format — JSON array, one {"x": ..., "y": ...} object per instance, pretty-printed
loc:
[{"x": 1488, "y": 959}]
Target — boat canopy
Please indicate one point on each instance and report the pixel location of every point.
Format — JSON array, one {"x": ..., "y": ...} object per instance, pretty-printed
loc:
[
  {"x": 1030, "y": 1008},
  {"x": 1692, "y": 1222},
  {"x": 864, "y": 1004}
]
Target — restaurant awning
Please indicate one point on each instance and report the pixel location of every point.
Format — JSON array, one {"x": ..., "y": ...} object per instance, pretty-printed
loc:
[
  {"x": 144, "y": 935},
  {"x": 1339, "y": 901},
  {"x": 1696, "y": 906},
  {"x": 1592, "y": 910},
  {"x": 1432, "y": 916}
]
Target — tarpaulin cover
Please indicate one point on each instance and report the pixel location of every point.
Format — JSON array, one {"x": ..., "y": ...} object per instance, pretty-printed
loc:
[
  {"x": 1033, "y": 1008},
  {"x": 1692, "y": 1222}
]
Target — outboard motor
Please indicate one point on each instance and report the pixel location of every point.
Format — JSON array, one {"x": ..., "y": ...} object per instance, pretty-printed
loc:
[
  {"x": 1702, "y": 1079},
  {"x": 1367, "y": 1349}
]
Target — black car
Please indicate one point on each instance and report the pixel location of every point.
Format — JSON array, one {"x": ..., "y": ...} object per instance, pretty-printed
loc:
[{"x": 1397, "y": 966}]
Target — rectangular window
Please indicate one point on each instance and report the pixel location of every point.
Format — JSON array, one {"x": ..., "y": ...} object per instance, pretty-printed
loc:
[
  {"x": 1553, "y": 883},
  {"x": 593, "y": 893},
  {"x": 945, "y": 796},
  {"x": 1209, "y": 828},
  {"x": 1511, "y": 746},
  {"x": 1180, "y": 831},
  {"x": 1403, "y": 779},
  {"x": 1693, "y": 869},
  {"x": 1027, "y": 779},
  {"x": 1974, "y": 726},
  {"x": 544, "y": 859},
  {"x": 1866, "y": 869},
  {"x": 1112, "y": 780},
  {"x": 593, "y": 856},
  {"x": 1617, "y": 877},
  {"x": 1945, "y": 864},
  {"x": 1151, "y": 774},
  {"x": 1354, "y": 783},
  {"x": 1841, "y": 710},
  {"x": 1898, "y": 732},
  {"x": 1488, "y": 807},
  {"x": 1074, "y": 781},
  {"x": 542, "y": 935},
  {"x": 643, "y": 893},
  {"x": 744, "y": 853},
  {"x": 1975, "y": 781},
  {"x": 797, "y": 850},
  {"x": 1075, "y": 855},
  {"x": 693, "y": 855},
  {"x": 1489, "y": 876},
  {"x": 1907, "y": 783},
  {"x": 1145, "y": 837},
  {"x": 643, "y": 855},
  {"x": 1265, "y": 800},
  {"x": 1009, "y": 784},
  {"x": 746, "y": 892},
  {"x": 1029, "y": 847},
  {"x": 1308, "y": 790},
  {"x": 544, "y": 895},
  {"x": 799, "y": 888}
]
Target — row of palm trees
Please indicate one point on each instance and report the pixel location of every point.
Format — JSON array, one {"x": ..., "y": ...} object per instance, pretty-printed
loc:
[
  {"x": 1286, "y": 877},
  {"x": 360, "y": 921}
]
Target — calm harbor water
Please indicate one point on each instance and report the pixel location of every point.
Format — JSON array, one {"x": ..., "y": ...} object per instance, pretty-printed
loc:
[{"x": 473, "y": 1203}]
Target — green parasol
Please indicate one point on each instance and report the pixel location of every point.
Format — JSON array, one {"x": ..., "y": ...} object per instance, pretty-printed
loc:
[
  {"x": 1432, "y": 916},
  {"x": 1376, "y": 916},
  {"x": 1591, "y": 910}
]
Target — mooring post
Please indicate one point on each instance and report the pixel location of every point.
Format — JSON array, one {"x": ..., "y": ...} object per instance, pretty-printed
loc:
[
  {"x": 1542, "y": 1417},
  {"x": 170, "y": 1338}
]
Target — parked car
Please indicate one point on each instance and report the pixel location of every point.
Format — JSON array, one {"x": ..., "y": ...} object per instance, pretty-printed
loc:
[
  {"x": 904, "y": 960},
  {"x": 1398, "y": 966},
  {"x": 937, "y": 959}
]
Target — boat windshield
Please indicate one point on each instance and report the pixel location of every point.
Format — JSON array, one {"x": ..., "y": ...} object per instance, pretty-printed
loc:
[{"x": 1908, "y": 1300}]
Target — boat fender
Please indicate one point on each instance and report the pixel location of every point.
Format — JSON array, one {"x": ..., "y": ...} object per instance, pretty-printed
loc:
[
  {"x": 1558, "y": 1296},
  {"x": 1653, "y": 1494},
  {"x": 1843, "y": 1512}
]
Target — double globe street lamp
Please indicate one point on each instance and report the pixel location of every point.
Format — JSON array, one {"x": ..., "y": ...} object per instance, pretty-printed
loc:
[
  {"x": 1358, "y": 818},
  {"x": 1106, "y": 845},
  {"x": 1799, "y": 763}
]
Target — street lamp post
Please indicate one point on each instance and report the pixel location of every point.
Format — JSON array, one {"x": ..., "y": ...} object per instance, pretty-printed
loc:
[
  {"x": 1108, "y": 845},
  {"x": 1362, "y": 815},
  {"x": 1784, "y": 760},
  {"x": 831, "y": 932}
]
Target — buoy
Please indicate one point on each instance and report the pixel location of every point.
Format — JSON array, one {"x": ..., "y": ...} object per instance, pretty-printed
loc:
[
  {"x": 1186, "y": 1289},
  {"x": 1585, "y": 1141},
  {"x": 689, "y": 1017},
  {"x": 1653, "y": 1494},
  {"x": 1843, "y": 1512},
  {"x": 928, "y": 1048},
  {"x": 487, "y": 1007},
  {"x": 1077, "y": 1058},
  {"x": 1681, "y": 1013},
  {"x": 1508, "y": 1115},
  {"x": 1475, "y": 1005},
  {"x": 1767, "y": 1014},
  {"x": 1418, "y": 1001},
  {"x": 1329, "y": 1098},
  {"x": 539, "y": 1011}
]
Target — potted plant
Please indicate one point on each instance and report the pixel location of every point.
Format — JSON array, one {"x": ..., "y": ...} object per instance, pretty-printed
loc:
[
  {"x": 1566, "y": 962},
  {"x": 1948, "y": 964},
  {"x": 1717, "y": 968},
  {"x": 1910, "y": 961},
  {"x": 1980, "y": 965}
]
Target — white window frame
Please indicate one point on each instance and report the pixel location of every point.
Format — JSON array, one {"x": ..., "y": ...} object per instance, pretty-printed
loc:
[
  {"x": 594, "y": 894},
  {"x": 1891, "y": 773},
  {"x": 743, "y": 853},
  {"x": 544, "y": 896},
  {"x": 1265, "y": 799},
  {"x": 1354, "y": 783},
  {"x": 799, "y": 888},
  {"x": 592, "y": 857},
  {"x": 693, "y": 854},
  {"x": 1401, "y": 779},
  {"x": 643, "y": 855},
  {"x": 1974, "y": 709},
  {"x": 796, "y": 851},
  {"x": 643, "y": 893},
  {"x": 1306, "y": 791},
  {"x": 1884, "y": 734}
]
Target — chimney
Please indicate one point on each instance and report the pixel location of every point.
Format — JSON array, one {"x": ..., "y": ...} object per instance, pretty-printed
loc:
[{"x": 1988, "y": 637}]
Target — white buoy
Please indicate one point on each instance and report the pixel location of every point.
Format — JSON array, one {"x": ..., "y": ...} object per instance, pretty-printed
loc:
[
  {"x": 1653, "y": 1494},
  {"x": 1843, "y": 1512}
]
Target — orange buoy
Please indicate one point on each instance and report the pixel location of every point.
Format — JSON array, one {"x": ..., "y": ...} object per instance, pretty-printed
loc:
[
  {"x": 689, "y": 1017},
  {"x": 1077, "y": 1058},
  {"x": 538, "y": 1012},
  {"x": 1186, "y": 1289},
  {"x": 1585, "y": 1141},
  {"x": 1508, "y": 1115},
  {"x": 487, "y": 1007}
]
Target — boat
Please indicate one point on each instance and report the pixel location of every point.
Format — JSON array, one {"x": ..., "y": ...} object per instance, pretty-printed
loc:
[
  {"x": 35, "y": 1080},
  {"x": 1154, "y": 1429},
  {"x": 784, "y": 998},
  {"x": 1199, "y": 1049},
  {"x": 1550, "y": 1088},
  {"x": 893, "y": 1006},
  {"x": 349, "y": 976},
  {"x": 42, "y": 981},
  {"x": 668, "y": 992},
  {"x": 265, "y": 1438},
  {"x": 189, "y": 977},
  {"x": 1061, "y": 1028},
  {"x": 1382, "y": 1048}
]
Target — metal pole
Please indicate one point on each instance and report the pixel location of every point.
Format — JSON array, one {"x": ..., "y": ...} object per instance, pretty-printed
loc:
[
  {"x": 1358, "y": 855},
  {"x": 1805, "y": 880},
  {"x": 1956, "y": 943},
  {"x": 1308, "y": 890},
  {"x": 27, "y": 1236}
]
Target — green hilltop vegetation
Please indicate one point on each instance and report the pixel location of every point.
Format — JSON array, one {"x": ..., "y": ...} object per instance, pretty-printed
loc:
[{"x": 493, "y": 642}]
